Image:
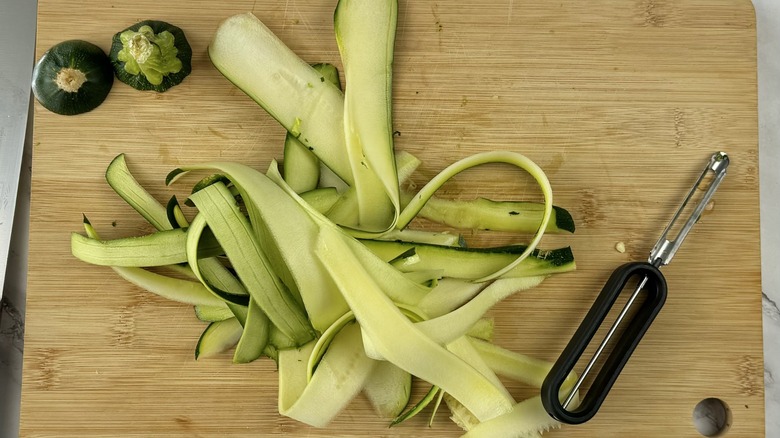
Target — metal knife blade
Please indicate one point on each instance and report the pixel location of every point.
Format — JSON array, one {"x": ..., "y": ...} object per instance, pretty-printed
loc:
[{"x": 17, "y": 50}]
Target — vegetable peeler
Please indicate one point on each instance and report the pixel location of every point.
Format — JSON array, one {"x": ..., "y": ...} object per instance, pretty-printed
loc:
[{"x": 650, "y": 280}]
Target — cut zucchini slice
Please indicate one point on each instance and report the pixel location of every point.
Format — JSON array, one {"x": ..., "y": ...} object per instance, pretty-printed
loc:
[
  {"x": 151, "y": 55},
  {"x": 72, "y": 77}
]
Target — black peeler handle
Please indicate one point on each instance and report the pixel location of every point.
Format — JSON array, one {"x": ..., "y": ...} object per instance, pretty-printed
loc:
[{"x": 655, "y": 288}]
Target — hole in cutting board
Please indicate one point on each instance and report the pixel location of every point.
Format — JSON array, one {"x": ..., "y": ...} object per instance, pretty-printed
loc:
[{"x": 712, "y": 417}]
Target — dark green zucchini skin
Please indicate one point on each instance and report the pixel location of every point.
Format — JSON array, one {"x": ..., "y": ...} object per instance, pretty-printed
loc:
[
  {"x": 139, "y": 82},
  {"x": 78, "y": 55}
]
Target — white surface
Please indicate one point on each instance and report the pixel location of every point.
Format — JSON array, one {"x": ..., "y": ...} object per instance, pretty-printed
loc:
[{"x": 768, "y": 28}]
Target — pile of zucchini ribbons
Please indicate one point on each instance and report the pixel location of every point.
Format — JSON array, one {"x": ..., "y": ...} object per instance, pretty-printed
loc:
[{"x": 316, "y": 268}]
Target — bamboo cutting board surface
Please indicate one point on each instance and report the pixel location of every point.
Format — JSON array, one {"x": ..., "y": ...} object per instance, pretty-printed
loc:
[{"x": 621, "y": 102}]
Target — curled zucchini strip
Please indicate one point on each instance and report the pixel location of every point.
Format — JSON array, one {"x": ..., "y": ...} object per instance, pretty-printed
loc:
[
  {"x": 404, "y": 345},
  {"x": 234, "y": 232},
  {"x": 283, "y": 219},
  {"x": 127, "y": 187},
  {"x": 514, "y": 158},
  {"x": 451, "y": 326},
  {"x": 341, "y": 374},
  {"x": 324, "y": 341}
]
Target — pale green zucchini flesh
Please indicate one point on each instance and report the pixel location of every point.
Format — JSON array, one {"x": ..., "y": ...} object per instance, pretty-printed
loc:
[
  {"x": 255, "y": 336},
  {"x": 280, "y": 271},
  {"x": 489, "y": 215},
  {"x": 235, "y": 234},
  {"x": 365, "y": 33},
  {"x": 246, "y": 52},
  {"x": 127, "y": 187},
  {"x": 218, "y": 337},
  {"x": 157, "y": 249},
  {"x": 212, "y": 313},
  {"x": 301, "y": 165}
]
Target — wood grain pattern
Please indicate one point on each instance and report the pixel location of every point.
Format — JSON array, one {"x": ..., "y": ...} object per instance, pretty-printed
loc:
[{"x": 621, "y": 102}]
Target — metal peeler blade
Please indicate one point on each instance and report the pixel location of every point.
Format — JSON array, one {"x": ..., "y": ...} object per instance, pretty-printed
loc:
[{"x": 556, "y": 398}]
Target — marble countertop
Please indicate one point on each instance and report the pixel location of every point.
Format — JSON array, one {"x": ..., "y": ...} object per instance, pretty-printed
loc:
[{"x": 768, "y": 30}]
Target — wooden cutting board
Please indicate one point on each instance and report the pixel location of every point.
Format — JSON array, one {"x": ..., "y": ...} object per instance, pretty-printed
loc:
[{"x": 621, "y": 102}]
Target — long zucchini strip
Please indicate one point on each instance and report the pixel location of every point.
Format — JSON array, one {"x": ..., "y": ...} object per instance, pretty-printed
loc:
[
  {"x": 233, "y": 231},
  {"x": 404, "y": 345},
  {"x": 455, "y": 324},
  {"x": 174, "y": 289},
  {"x": 516, "y": 366},
  {"x": 420, "y": 236},
  {"x": 287, "y": 87},
  {"x": 365, "y": 34},
  {"x": 341, "y": 374},
  {"x": 223, "y": 284},
  {"x": 486, "y": 214},
  {"x": 343, "y": 202},
  {"x": 183, "y": 291},
  {"x": 219, "y": 278},
  {"x": 325, "y": 339},
  {"x": 127, "y": 187},
  {"x": 527, "y": 419},
  {"x": 157, "y": 249},
  {"x": 392, "y": 282},
  {"x": 520, "y": 367},
  {"x": 283, "y": 215},
  {"x": 254, "y": 337},
  {"x": 462, "y": 348},
  {"x": 476, "y": 214},
  {"x": 301, "y": 166},
  {"x": 448, "y": 295},
  {"x": 119, "y": 177},
  {"x": 296, "y": 232},
  {"x": 472, "y": 263},
  {"x": 291, "y": 364},
  {"x": 521, "y": 161}
]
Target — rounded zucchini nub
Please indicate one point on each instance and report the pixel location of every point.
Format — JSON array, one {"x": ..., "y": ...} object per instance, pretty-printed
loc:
[
  {"x": 72, "y": 77},
  {"x": 151, "y": 55}
]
